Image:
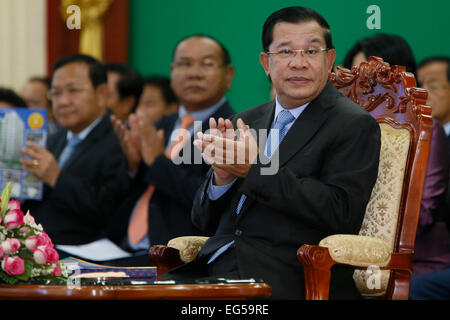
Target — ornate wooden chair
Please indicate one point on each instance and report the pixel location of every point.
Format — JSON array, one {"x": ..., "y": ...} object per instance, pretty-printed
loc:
[{"x": 383, "y": 250}]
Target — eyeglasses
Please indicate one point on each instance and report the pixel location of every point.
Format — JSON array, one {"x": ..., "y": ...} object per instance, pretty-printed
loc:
[
  {"x": 54, "y": 93},
  {"x": 207, "y": 65},
  {"x": 288, "y": 54}
]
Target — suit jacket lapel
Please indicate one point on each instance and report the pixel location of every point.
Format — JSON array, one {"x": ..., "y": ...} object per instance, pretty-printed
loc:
[
  {"x": 301, "y": 132},
  {"x": 58, "y": 144},
  {"x": 97, "y": 132},
  {"x": 303, "y": 129},
  {"x": 168, "y": 127},
  {"x": 263, "y": 122},
  {"x": 307, "y": 124}
]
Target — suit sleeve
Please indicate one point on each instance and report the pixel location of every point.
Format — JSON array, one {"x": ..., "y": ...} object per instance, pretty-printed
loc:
[
  {"x": 206, "y": 213},
  {"x": 436, "y": 180},
  {"x": 176, "y": 181},
  {"x": 93, "y": 199},
  {"x": 335, "y": 199}
]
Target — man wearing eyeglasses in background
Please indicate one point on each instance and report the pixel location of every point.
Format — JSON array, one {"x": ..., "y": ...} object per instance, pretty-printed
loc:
[
  {"x": 84, "y": 169},
  {"x": 157, "y": 208},
  {"x": 433, "y": 74},
  {"x": 328, "y": 162}
]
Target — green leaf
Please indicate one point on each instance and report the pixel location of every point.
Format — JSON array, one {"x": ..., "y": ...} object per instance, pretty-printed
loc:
[
  {"x": 60, "y": 279},
  {"x": 6, "y": 194},
  {"x": 5, "y": 278}
]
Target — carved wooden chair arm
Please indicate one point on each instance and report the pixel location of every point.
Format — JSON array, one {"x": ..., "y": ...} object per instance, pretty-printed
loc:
[
  {"x": 345, "y": 249},
  {"x": 164, "y": 258},
  {"x": 177, "y": 252}
]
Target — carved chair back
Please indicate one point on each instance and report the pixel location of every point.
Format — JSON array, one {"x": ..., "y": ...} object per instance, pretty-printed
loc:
[{"x": 390, "y": 95}]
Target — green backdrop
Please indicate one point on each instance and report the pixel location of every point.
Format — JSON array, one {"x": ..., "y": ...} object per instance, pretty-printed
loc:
[{"x": 156, "y": 27}]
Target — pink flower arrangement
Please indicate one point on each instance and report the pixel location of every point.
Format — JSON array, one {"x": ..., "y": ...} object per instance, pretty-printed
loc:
[
  {"x": 13, "y": 266},
  {"x": 26, "y": 251}
]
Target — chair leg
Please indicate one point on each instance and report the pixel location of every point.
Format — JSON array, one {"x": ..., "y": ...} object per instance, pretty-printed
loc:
[
  {"x": 400, "y": 287},
  {"x": 317, "y": 264},
  {"x": 401, "y": 270}
]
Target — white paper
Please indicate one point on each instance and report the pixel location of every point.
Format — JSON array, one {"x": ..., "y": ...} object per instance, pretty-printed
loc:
[{"x": 99, "y": 250}]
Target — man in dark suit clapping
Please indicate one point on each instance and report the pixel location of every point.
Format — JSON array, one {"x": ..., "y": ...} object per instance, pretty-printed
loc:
[
  {"x": 322, "y": 150},
  {"x": 166, "y": 176}
]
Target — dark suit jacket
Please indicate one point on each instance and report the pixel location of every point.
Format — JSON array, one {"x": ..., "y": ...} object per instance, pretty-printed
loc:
[
  {"x": 432, "y": 245},
  {"x": 175, "y": 188},
  {"x": 328, "y": 164},
  {"x": 78, "y": 208}
]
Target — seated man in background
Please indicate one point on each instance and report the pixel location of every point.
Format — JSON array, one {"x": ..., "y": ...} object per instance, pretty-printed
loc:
[
  {"x": 83, "y": 168},
  {"x": 10, "y": 99},
  {"x": 35, "y": 93},
  {"x": 323, "y": 152},
  {"x": 125, "y": 88},
  {"x": 390, "y": 47},
  {"x": 158, "y": 206},
  {"x": 157, "y": 100},
  {"x": 434, "y": 75}
]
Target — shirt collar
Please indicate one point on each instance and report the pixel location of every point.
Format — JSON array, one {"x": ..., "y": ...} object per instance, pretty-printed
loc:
[
  {"x": 83, "y": 133},
  {"x": 296, "y": 112},
  {"x": 201, "y": 115},
  {"x": 447, "y": 128}
]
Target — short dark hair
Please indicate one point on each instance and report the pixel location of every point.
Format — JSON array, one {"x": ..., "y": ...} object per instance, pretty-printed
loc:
[
  {"x": 130, "y": 83},
  {"x": 294, "y": 15},
  {"x": 44, "y": 80},
  {"x": 117, "y": 67},
  {"x": 10, "y": 96},
  {"x": 97, "y": 71},
  {"x": 444, "y": 59},
  {"x": 391, "y": 48},
  {"x": 163, "y": 83},
  {"x": 226, "y": 58}
]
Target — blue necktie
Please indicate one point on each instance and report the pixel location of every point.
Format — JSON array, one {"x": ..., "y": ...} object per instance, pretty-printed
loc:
[
  {"x": 68, "y": 150},
  {"x": 281, "y": 124}
]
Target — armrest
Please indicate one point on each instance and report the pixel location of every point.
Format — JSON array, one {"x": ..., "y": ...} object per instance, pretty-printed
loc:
[
  {"x": 358, "y": 251},
  {"x": 188, "y": 246},
  {"x": 164, "y": 258},
  {"x": 177, "y": 252}
]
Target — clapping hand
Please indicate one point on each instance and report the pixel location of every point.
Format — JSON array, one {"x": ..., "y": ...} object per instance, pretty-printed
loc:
[
  {"x": 129, "y": 141},
  {"x": 230, "y": 156}
]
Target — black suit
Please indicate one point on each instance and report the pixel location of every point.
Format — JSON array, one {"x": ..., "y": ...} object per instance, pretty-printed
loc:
[
  {"x": 328, "y": 167},
  {"x": 80, "y": 205},
  {"x": 175, "y": 188}
]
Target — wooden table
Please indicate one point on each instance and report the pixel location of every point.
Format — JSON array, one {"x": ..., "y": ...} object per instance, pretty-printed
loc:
[{"x": 137, "y": 292}]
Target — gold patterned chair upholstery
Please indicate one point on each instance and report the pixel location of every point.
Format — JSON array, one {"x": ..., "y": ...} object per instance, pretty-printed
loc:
[{"x": 382, "y": 252}]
